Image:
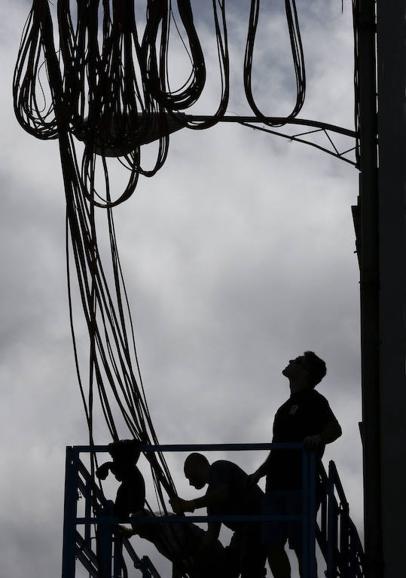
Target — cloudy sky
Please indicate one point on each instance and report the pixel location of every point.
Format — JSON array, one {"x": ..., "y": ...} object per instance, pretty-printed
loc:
[{"x": 238, "y": 255}]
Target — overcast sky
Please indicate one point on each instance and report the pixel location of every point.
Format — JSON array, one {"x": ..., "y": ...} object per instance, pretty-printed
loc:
[{"x": 238, "y": 255}]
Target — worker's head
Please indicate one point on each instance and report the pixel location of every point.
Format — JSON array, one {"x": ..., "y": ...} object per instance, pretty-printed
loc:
[
  {"x": 196, "y": 470},
  {"x": 125, "y": 454},
  {"x": 305, "y": 371},
  {"x": 125, "y": 451}
]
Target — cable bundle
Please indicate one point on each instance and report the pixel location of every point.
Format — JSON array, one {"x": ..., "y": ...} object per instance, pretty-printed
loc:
[
  {"x": 117, "y": 92},
  {"x": 159, "y": 15},
  {"x": 111, "y": 90},
  {"x": 33, "y": 112},
  {"x": 113, "y": 373}
]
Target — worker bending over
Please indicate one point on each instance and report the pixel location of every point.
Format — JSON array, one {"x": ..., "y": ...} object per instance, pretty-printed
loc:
[{"x": 228, "y": 493}]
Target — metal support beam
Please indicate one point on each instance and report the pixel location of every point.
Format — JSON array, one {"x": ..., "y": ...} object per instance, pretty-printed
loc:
[
  {"x": 368, "y": 245},
  {"x": 382, "y": 242},
  {"x": 391, "y": 51}
]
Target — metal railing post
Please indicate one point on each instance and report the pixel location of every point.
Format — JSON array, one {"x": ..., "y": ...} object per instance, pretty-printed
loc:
[
  {"x": 305, "y": 515},
  {"x": 312, "y": 513},
  {"x": 70, "y": 511},
  {"x": 332, "y": 510},
  {"x": 88, "y": 510},
  {"x": 117, "y": 556},
  {"x": 104, "y": 545},
  {"x": 309, "y": 514}
]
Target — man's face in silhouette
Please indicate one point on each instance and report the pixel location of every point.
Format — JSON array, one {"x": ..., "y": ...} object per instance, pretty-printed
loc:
[
  {"x": 296, "y": 369},
  {"x": 197, "y": 476}
]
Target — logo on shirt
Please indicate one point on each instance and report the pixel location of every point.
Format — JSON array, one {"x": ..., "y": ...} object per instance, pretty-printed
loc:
[{"x": 293, "y": 409}]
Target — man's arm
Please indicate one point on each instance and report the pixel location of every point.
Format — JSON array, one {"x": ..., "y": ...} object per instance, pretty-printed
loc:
[
  {"x": 212, "y": 498},
  {"x": 260, "y": 472},
  {"x": 329, "y": 434}
]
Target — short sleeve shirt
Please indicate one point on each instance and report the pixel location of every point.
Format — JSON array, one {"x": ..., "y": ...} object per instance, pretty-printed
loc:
[
  {"x": 305, "y": 413},
  {"x": 242, "y": 498}
]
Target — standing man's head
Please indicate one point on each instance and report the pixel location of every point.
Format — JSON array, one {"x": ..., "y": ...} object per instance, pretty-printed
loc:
[
  {"x": 197, "y": 470},
  {"x": 305, "y": 371}
]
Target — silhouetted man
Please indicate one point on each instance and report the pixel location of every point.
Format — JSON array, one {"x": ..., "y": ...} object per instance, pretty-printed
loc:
[
  {"x": 228, "y": 493},
  {"x": 130, "y": 496},
  {"x": 307, "y": 418}
]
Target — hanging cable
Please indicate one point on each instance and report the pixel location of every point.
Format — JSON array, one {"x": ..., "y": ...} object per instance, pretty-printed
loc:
[
  {"x": 297, "y": 57},
  {"x": 105, "y": 94}
]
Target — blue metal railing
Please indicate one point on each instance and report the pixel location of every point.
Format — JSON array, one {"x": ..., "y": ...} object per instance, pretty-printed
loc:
[
  {"x": 77, "y": 545},
  {"x": 336, "y": 534}
]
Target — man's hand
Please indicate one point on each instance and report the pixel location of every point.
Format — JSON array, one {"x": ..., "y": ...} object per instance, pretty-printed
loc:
[
  {"x": 180, "y": 506},
  {"x": 125, "y": 531},
  {"x": 313, "y": 443},
  {"x": 103, "y": 470}
]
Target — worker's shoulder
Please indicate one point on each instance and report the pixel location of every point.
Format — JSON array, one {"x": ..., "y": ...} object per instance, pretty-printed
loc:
[
  {"x": 316, "y": 396},
  {"x": 227, "y": 468},
  {"x": 224, "y": 464}
]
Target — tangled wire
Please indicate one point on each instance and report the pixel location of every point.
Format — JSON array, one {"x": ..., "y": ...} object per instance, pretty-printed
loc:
[
  {"x": 104, "y": 94},
  {"x": 116, "y": 89}
]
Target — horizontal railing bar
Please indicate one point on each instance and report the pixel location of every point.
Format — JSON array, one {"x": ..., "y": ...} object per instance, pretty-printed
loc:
[
  {"x": 186, "y": 519},
  {"x": 198, "y": 447}
]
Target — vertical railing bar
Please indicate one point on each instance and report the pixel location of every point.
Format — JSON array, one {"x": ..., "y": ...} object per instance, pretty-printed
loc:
[
  {"x": 104, "y": 546},
  {"x": 70, "y": 512},
  {"x": 117, "y": 556},
  {"x": 332, "y": 527},
  {"x": 88, "y": 508},
  {"x": 324, "y": 518},
  {"x": 323, "y": 477},
  {"x": 312, "y": 512},
  {"x": 305, "y": 515},
  {"x": 344, "y": 542}
]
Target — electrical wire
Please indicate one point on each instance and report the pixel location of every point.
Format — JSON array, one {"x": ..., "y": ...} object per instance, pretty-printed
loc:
[
  {"x": 104, "y": 94},
  {"x": 297, "y": 58},
  {"x": 117, "y": 90}
]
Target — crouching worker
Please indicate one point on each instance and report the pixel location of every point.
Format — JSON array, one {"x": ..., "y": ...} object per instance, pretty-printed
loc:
[
  {"x": 228, "y": 493},
  {"x": 129, "y": 500},
  {"x": 130, "y": 496},
  {"x": 185, "y": 545}
]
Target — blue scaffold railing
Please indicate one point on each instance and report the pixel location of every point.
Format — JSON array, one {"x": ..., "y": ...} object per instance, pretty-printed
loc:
[{"x": 103, "y": 555}]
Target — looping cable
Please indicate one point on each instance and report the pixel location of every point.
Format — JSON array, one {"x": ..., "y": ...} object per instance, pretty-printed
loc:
[
  {"x": 297, "y": 57},
  {"x": 105, "y": 94}
]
